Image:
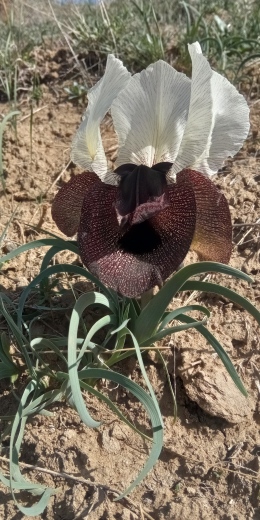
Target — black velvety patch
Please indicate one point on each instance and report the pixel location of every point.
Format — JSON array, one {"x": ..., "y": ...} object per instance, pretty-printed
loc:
[
  {"x": 140, "y": 184},
  {"x": 140, "y": 238}
]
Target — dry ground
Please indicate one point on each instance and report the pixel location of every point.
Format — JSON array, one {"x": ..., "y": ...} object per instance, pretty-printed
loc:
[{"x": 209, "y": 467}]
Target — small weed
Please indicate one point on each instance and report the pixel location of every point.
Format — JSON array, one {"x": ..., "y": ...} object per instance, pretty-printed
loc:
[
  {"x": 217, "y": 475},
  {"x": 137, "y": 31},
  {"x": 3, "y": 124},
  {"x": 177, "y": 488},
  {"x": 77, "y": 92},
  {"x": 229, "y": 42},
  {"x": 19, "y": 35},
  {"x": 130, "y": 30}
]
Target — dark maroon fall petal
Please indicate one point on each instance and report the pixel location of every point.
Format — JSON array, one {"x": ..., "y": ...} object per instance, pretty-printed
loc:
[
  {"x": 213, "y": 234},
  {"x": 145, "y": 255},
  {"x": 66, "y": 207}
]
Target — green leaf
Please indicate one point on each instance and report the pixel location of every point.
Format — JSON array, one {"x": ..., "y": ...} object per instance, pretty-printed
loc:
[
  {"x": 38, "y": 404},
  {"x": 151, "y": 408},
  {"x": 73, "y": 360},
  {"x": 2, "y": 127},
  {"x": 171, "y": 330},
  {"x": 150, "y": 403},
  {"x": 248, "y": 58},
  {"x": 84, "y": 374},
  {"x": 71, "y": 246},
  {"x": 16, "y": 481},
  {"x": 6, "y": 371},
  {"x": 55, "y": 269},
  {"x": 151, "y": 315},
  {"x": 5, "y": 356},
  {"x": 175, "y": 408},
  {"x": 170, "y": 316},
  {"x": 220, "y": 351},
  {"x": 102, "y": 322},
  {"x": 20, "y": 338},
  {"x": 231, "y": 295},
  {"x": 59, "y": 243},
  {"x": 39, "y": 343},
  {"x": 150, "y": 388}
]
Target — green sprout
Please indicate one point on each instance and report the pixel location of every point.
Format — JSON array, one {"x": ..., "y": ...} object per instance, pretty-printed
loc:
[
  {"x": 76, "y": 92},
  {"x": 3, "y": 124}
]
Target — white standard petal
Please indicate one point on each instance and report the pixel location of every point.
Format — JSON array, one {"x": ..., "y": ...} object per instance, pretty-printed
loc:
[
  {"x": 218, "y": 120},
  {"x": 150, "y": 114},
  {"x": 87, "y": 147}
]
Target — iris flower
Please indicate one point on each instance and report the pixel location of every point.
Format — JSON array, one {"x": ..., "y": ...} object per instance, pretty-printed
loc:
[{"x": 136, "y": 222}]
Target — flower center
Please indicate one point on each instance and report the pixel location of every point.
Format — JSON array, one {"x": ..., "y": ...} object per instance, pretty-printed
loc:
[
  {"x": 142, "y": 193},
  {"x": 140, "y": 239}
]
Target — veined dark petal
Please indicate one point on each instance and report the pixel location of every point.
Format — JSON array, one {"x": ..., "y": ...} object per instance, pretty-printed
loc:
[
  {"x": 147, "y": 253},
  {"x": 66, "y": 207},
  {"x": 213, "y": 233}
]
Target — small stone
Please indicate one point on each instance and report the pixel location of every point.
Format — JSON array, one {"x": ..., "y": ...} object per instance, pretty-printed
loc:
[
  {"x": 9, "y": 246},
  {"x": 21, "y": 283},
  {"x": 109, "y": 442},
  {"x": 190, "y": 490},
  {"x": 211, "y": 387}
]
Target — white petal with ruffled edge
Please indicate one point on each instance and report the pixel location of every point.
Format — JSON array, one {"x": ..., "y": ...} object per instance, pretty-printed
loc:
[
  {"x": 150, "y": 114},
  {"x": 87, "y": 147},
  {"x": 218, "y": 120}
]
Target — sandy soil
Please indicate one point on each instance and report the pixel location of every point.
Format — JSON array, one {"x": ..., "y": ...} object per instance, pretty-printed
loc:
[{"x": 209, "y": 467}]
